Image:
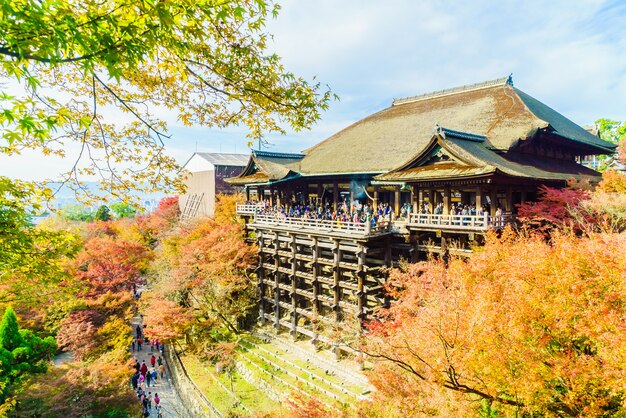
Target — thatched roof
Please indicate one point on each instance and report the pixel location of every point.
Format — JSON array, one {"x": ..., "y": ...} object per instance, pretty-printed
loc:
[
  {"x": 389, "y": 138},
  {"x": 451, "y": 154}
]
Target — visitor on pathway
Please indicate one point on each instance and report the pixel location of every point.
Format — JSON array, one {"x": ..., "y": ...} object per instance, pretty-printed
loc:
[
  {"x": 134, "y": 381},
  {"x": 139, "y": 342},
  {"x": 154, "y": 374},
  {"x": 162, "y": 370},
  {"x": 153, "y": 360},
  {"x": 159, "y": 361},
  {"x": 144, "y": 368},
  {"x": 148, "y": 379}
]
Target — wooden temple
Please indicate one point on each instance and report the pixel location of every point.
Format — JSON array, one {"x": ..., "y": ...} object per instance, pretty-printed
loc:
[{"x": 447, "y": 167}]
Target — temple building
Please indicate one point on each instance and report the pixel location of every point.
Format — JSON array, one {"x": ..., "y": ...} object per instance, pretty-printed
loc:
[{"x": 429, "y": 174}]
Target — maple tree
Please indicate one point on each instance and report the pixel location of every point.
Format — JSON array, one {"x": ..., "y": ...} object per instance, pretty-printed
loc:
[
  {"x": 527, "y": 326},
  {"x": 85, "y": 66},
  {"x": 108, "y": 264}
]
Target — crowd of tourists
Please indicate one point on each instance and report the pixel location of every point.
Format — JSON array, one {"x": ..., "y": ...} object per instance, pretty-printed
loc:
[
  {"x": 358, "y": 212},
  {"x": 146, "y": 377}
]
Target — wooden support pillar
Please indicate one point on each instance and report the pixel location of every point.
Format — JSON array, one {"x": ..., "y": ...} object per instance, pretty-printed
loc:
[
  {"x": 446, "y": 200},
  {"x": 420, "y": 199},
  {"x": 335, "y": 194},
  {"x": 247, "y": 194},
  {"x": 524, "y": 196},
  {"x": 509, "y": 199},
  {"x": 316, "y": 286},
  {"x": 320, "y": 191},
  {"x": 294, "y": 295},
  {"x": 276, "y": 282},
  {"x": 261, "y": 275},
  {"x": 351, "y": 200},
  {"x": 360, "y": 279},
  {"x": 493, "y": 196},
  {"x": 396, "y": 201},
  {"x": 387, "y": 301},
  {"x": 272, "y": 197},
  {"x": 414, "y": 199},
  {"x": 336, "y": 276},
  {"x": 261, "y": 193},
  {"x": 431, "y": 200},
  {"x": 375, "y": 204},
  {"x": 479, "y": 198}
]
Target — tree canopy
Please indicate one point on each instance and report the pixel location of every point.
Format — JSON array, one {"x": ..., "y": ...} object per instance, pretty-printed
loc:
[{"x": 86, "y": 66}]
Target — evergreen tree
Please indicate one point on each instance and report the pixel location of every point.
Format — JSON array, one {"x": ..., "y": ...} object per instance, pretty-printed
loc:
[
  {"x": 103, "y": 213},
  {"x": 10, "y": 337}
]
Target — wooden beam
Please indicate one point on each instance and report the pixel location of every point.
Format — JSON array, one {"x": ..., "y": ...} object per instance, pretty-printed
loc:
[{"x": 335, "y": 194}]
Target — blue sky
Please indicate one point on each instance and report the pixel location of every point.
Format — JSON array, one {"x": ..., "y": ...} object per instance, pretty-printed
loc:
[{"x": 570, "y": 54}]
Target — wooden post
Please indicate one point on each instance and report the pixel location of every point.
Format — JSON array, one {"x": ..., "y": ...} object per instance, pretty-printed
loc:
[
  {"x": 396, "y": 203},
  {"x": 276, "y": 282},
  {"x": 524, "y": 196},
  {"x": 261, "y": 193},
  {"x": 294, "y": 295},
  {"x": 479, "y": 198},
  {"x": 335, "y": 194},
  {"x": 375, "y": 198},
  {"x": 509, "y": 199},
  {"x": 431, "y": 200},
  {"x": 414, "y": 198},
  {"x": 316, "y": 287},
  {"x": 493, "y": 196},
  {"x": 420, "y": 199},
  {"x": 247, "y": 194},
  {"x": 320, "y": 191},
  {"x": 272, "y": 199},
  {"x": 336, "y": 274},
  {"x": 360, "y": 279},
  {"x": 351, "y": 200},
  {"x": 261, "y": 275},
  {"x": 446, "y": 200}
]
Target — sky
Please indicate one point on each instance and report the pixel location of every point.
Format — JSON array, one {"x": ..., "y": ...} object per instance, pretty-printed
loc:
[{"x": 569, "y": 54}]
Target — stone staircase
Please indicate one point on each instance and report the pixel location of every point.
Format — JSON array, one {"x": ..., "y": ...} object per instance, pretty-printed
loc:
[{"x": 280, "y": 367}]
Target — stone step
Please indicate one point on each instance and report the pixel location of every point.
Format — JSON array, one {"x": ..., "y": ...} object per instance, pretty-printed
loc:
[{"x": 332, "y": 366}]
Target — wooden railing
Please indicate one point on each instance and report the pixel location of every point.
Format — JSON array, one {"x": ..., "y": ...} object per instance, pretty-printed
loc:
[
  {"x": 459, "y": 222},
  {"x": 246, "y": 209},
  {"x": 321, "y": 224},
  {"x": 425, "y": 220}
]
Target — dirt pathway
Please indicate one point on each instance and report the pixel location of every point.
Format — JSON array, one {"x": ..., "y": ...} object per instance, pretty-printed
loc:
[{"x": 171, "y": 404}]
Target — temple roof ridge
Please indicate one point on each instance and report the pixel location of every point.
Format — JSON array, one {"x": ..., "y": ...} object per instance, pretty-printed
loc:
[
  {"x": 274, "y": 154},
  {"x": 454, "y": 90}
]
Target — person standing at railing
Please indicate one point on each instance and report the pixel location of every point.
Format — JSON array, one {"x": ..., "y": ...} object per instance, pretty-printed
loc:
[{"x": 498, "y": 220}]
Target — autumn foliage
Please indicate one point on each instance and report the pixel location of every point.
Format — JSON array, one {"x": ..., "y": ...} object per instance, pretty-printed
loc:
[
  {"x": 109, "y": 265},
  {"x": 529, "y": 327}
]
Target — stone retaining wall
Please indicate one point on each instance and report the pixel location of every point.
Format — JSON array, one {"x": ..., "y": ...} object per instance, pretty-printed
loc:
[{"x": 196, "y": 403}]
